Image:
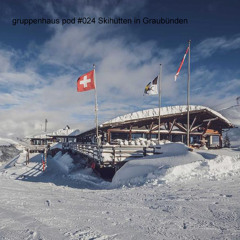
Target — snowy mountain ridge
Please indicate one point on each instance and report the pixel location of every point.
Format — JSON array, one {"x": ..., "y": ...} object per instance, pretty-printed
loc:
[{"x": 232, "y": 113}]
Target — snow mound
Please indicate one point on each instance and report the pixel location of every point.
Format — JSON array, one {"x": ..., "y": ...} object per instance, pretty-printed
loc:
[
  {"x": 63, "y": 162},
  {"x": 88, "y": 177},
  {"x": 175, "y": 164},
  {"x": 214, "y": 169},
  {"x": 138, "y": 172}
]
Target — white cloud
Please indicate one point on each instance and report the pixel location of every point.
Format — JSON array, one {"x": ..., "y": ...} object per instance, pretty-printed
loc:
[
  {"x": 124, "y": 65},
  {"x": 209, "y": 46}
]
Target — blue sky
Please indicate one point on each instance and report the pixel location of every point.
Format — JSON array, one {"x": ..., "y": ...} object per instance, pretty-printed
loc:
[{"x": 39, "y": 64}]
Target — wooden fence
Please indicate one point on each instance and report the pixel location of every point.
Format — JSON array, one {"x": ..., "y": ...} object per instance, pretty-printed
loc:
[
  {"x": 36, "y": 148},
  {"x": 111, "y": 154}
]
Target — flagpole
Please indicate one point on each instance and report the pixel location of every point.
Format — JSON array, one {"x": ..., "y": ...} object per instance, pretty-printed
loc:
[
  {"x": 188, "y": 96},
  {"x": 96, "y": 105},
  {"x": 159, "y": 102}
]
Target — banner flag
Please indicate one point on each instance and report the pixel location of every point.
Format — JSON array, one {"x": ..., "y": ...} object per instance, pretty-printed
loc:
[
  {"x": 151, "y": 88},
  {"x": 181, "y": 64},
  {"x": 86, "y": 82}
]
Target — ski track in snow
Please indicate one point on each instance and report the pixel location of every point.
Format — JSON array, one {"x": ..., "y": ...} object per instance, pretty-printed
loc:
[{"x": 49, "y": 205}]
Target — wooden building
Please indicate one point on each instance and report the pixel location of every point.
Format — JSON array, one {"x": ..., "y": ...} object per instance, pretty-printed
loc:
[
  {"x": 41, "y": 139},
  {"x": 61, "y": 135},
  {"x": 206, "y": 126},
  {"x": 64, "y": 135}
]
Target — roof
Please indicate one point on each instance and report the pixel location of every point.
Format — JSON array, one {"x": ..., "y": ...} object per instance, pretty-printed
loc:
[
  {"x": 165, "y": 112},
  {"x": 65, "y": 133},
  {"x": 141, "y": 118},
  {"x": 39, "y": 136}
]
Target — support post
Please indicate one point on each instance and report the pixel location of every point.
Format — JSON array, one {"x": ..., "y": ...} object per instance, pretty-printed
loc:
[
  {"x": 188, "y": 96},
  {"x": 159, "y": 102},
  {"x": 96, "y": 106}
]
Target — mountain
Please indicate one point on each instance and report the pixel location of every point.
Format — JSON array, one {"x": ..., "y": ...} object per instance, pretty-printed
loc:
[
  {"x": 233, "y": 114},
  {"x": 8, "y": 149}
]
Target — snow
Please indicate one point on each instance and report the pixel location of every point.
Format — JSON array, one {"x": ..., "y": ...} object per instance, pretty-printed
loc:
[
  {"x": 7, "y": 142},
  {"x": 137, "y": 172},
  {"x": 170, "y": 110},
  {"x": 65, "y": 132},
  {"x": 39, "y": 136},
  {"x": 63, "y": 162},
  {"x": 233, "y": 114},
  {"x": 56, "y": 146},
  {"x": 179, "y": 194},
  {"x": 177, "y": 164}
]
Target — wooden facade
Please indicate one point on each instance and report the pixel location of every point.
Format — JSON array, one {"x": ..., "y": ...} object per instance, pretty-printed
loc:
[{"x": 206, "y": 127}]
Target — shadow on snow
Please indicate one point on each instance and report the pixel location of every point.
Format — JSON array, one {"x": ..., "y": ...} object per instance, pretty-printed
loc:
[{"x": 78, "y": 177}]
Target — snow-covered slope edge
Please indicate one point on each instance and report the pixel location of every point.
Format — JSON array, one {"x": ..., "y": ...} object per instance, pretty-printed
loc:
[
  {"x": 174, "y": 165},
  {"x": 8, "y": 149}
]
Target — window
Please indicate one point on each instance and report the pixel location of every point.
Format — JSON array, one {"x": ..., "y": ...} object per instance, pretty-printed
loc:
[
  {"x": 137, "y": 135},
  {"x": 119, "y": 135}
]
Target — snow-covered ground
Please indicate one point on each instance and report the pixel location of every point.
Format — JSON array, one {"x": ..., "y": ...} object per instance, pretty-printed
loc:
[
  {"x": 178, "y": 194},
  {"x": 175, "y": 195}
]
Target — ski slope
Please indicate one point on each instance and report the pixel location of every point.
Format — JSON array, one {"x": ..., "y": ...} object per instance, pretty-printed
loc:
[{"x": 183, "y": 200}]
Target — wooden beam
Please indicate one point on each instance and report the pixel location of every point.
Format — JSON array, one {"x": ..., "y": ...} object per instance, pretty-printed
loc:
[
  {"x": 155, "y": 127},
  {"x": 130, "y": 133},
  {"x": 172, "y": 125},
  {"x": 196, "y": 127},
  {"x": 194, "y": 120},
  {"x": 180, "y": 126},
  {"x": 150, "y": 130},
  {"x": 211, "y": 119},
  {"x": 209, "y": 123},
  {"x": 109, "y": 135}
]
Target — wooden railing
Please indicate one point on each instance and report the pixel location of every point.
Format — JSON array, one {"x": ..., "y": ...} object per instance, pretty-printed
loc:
[
  {"x": 111, "y": 153},
  {"x": 36, "y": 147}
]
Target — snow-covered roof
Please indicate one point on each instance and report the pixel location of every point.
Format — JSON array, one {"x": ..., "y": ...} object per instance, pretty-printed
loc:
[
  {"x": 65, "y": 132},
  {"x": 39, "y": 136},
  {"x": 165, "y": 111}
]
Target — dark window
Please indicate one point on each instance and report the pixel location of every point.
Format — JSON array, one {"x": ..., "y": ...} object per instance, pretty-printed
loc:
[
  {"x": 195, "y": 139},
  {"x": 116, "y": 135},
  {"x": 177, "y": 138},
  {"x": 137, "y": 135}
]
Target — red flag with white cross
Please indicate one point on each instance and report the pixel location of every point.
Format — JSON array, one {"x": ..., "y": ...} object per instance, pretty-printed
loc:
[{"x": 86, "y": 82}]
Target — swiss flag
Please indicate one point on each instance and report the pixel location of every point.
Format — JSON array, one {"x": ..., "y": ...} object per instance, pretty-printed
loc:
[{"x": 86, "y": 82}]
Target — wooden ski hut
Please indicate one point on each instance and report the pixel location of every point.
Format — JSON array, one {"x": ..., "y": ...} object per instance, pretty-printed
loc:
[
  {"x": 41, "y": 139},
  {"x": 64, "y": 135},
  {"x": 206, "y": 126}
]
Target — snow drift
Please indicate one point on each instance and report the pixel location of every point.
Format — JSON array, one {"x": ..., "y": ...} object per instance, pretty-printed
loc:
[
  {"x": 175, "y": 164},
  {"x": 63, "y": 162},
  {"x": 139, "y": 171}
]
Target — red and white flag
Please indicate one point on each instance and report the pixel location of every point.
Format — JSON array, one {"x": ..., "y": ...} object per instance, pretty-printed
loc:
[
  {"x": 86, "y": 82},
  {"x": 181, "y": 64}
]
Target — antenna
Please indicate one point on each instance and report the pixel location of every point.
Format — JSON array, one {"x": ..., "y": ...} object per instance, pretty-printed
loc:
[{"x": 46, "y": 121}]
